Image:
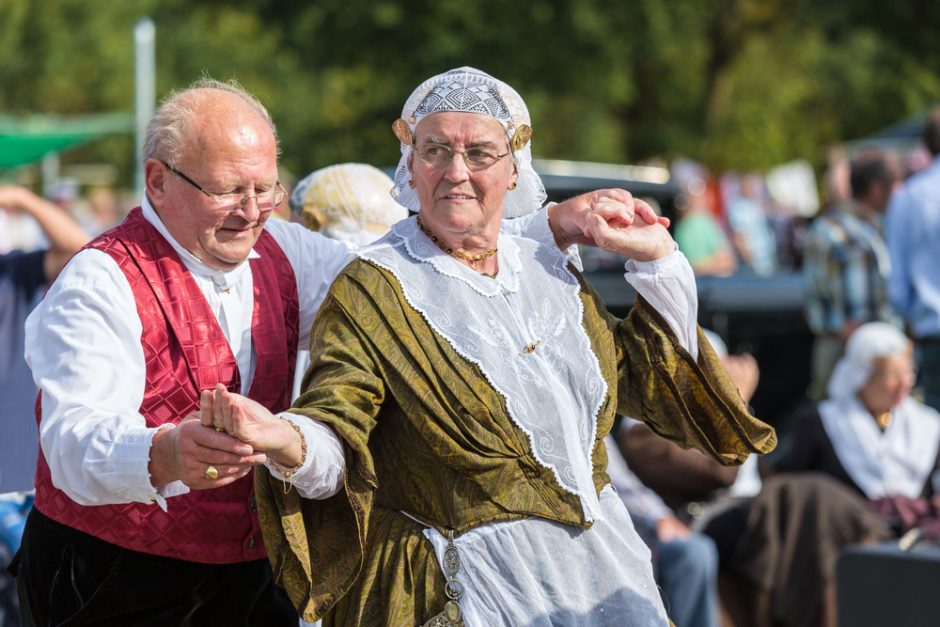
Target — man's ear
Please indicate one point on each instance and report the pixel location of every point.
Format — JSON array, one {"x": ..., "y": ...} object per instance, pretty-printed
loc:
[{"x": 155, "y": 177}]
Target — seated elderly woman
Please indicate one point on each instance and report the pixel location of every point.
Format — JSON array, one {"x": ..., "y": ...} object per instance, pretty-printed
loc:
[
  {"x": 463, "y": 381},
  {"x": 871, "y": 434}
]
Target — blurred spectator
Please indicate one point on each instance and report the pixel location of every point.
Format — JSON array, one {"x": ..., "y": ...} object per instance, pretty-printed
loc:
[
  {"x": 870, "y": 434},
  {"x": 22, "y": 274},
  {"x": 751, "y": 232},
  {"x": 698, "y": 233},
  {"x": 846, "y": 264},
  {"x": 103, "y": 210},
  {"x": 914, "y": 241},
  {"x": 349, "y": 202},
  {"x": 685, "y": 563},
  {"x": 777, "y": 540}
]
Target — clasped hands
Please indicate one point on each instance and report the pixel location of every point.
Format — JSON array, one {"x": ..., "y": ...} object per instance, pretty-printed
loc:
[
  {"x": 613, "y": 220},
  {"x": 222, "y": 442}
]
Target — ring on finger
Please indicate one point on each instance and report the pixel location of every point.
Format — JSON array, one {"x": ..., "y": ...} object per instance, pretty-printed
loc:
[{"x": 212, "y": 473}]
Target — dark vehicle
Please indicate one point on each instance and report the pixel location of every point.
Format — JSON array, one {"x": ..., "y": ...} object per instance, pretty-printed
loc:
[{"x": 762, "y": 315}]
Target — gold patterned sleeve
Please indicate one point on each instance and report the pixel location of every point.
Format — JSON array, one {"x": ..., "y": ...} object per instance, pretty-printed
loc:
[
  {"x": 691, "y": 402},
  {"x": 316, "y": 546}
]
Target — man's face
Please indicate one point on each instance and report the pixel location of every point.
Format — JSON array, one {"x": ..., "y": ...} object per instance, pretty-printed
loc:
[
  {"x": 451, "y": 195},
  {"x": 229, "y": 154}
]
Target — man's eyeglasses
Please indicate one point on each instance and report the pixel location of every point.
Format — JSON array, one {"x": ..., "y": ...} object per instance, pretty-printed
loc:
[
  {"x": 266, "y": 200},
  {"x": 440, "y": 156}
]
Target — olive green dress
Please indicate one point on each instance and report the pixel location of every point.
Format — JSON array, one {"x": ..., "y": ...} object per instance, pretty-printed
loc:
[{"x": 425, "y": 433}]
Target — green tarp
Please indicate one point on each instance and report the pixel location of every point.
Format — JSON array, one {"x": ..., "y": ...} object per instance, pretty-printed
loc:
[{"x": 27, "y": 139}]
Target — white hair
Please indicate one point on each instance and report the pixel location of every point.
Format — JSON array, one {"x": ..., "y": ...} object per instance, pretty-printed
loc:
[
  {"x": 171, "y": 126},
  {"x": 867, "y": 343}
]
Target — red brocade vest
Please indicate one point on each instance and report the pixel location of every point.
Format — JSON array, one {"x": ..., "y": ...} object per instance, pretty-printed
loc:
[{"x": 185, "y": 352}]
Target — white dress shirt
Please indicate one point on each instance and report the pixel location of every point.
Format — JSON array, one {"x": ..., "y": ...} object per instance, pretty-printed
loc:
[{"x": 83, "y": 345}]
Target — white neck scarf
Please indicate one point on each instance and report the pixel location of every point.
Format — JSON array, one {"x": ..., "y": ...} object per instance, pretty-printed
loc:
[{"x": 553, "y": 392}]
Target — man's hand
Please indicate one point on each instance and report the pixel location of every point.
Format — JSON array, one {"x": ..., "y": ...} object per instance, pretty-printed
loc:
[
  {"x": 744, "y": 373},
  {"x": 252, "y": 423},
  {"x": 185, "y": 452},
  {"x": 669, "y": 528},
  {"x": 612, "y": 219}
]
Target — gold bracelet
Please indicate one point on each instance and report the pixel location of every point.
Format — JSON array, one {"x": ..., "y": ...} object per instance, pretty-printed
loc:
[{"x": 289, "y": 473}]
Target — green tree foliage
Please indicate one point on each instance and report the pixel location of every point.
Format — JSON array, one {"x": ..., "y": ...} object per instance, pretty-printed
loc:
[{"x": 737, "y": 83}]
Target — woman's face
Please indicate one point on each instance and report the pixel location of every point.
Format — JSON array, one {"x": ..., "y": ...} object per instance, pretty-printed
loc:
[
  {"x": 890, "y": 382},
  {"x": 454, "y": 198}
]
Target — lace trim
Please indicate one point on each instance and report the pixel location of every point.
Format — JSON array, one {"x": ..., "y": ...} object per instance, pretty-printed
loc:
[
  {"x": 596, "y": 386},
  {"x": 420, "y": 248}
]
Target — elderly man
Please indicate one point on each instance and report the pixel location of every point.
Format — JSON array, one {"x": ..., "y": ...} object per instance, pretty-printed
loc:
[{"x": 144, "y": 515}]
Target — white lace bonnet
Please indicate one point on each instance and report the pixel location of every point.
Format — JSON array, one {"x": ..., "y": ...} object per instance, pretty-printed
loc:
[{"x": 469, "y": 90}]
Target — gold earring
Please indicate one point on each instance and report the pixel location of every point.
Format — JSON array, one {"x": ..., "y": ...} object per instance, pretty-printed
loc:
[
  {"x": 514, "y": 185},
  {"x": 411, "y": 183}
]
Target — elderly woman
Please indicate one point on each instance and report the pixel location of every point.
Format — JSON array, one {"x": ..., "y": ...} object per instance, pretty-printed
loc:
[
  {"x": 463, "y": 381},
  {"x": 870, "y": 434}
]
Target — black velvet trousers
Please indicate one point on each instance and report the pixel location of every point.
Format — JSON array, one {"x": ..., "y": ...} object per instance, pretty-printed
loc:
[{"x": 66, "y": 577}]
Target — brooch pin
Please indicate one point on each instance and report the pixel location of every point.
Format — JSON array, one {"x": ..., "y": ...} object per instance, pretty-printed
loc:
[{"x": 530, "y": 348}]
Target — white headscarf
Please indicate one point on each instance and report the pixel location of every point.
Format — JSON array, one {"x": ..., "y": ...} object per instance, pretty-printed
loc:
[
  {"x": 868, "y": 342},
  {"x": 469, "y": 90},
  {"x": 894, "y": 462},
  {"x": 348, "y": 202}
]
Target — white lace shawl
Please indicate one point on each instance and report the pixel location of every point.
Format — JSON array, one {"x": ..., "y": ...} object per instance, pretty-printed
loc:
[
  {"x": 553, "y": 392},
  {"x": 896, "y": 462}
]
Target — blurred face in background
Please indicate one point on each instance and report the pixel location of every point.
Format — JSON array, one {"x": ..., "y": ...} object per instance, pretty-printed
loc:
[{"x": 890, "y": 382}]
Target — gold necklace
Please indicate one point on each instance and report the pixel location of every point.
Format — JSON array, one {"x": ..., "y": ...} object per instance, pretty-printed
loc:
[
  {"x": 883, "y": 420},
  {"x": 459, "y": 254}
]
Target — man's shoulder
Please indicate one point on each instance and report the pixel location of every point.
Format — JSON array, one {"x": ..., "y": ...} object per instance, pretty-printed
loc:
[
  {"x": 831, "y": 227},
  {"x": 295, "y": 239},
  {"x": 92, "y": 269}
]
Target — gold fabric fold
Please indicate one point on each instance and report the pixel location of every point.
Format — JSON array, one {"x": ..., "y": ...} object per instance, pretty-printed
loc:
[{"x": 424, "y": 433}]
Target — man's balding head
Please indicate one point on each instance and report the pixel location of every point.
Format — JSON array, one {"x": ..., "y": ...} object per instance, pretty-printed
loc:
[{"x": 179, "y": 122}]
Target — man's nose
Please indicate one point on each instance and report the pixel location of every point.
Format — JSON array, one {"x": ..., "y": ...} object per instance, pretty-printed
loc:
[{"x": 249, "y": 208}]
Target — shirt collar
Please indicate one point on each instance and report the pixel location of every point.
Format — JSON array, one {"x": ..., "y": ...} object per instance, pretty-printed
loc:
[{"x": 220, "y": 278}]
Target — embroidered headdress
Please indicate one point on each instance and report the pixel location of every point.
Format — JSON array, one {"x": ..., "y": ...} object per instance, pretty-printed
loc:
[{"x": 469, "y": 90}]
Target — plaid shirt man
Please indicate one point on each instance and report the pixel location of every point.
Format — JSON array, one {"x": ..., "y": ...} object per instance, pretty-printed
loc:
[{"x": 846, "y": 267}]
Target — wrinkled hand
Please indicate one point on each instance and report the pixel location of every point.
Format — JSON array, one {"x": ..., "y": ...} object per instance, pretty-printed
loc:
[
  {"x": 669, "y": 528},
  {"x": 251, "y": 422},
  {"x": 186, "y": 451},
  {"x": 612, "y": 219}
]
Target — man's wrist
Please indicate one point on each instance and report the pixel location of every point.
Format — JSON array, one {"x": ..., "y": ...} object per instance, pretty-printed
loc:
[
  {"x": 554, "y": 223},
  {"x": 161, "y": 457}
]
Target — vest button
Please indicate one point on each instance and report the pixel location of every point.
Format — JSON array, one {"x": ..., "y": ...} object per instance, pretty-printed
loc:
[{"x": 251, "y": 542}]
